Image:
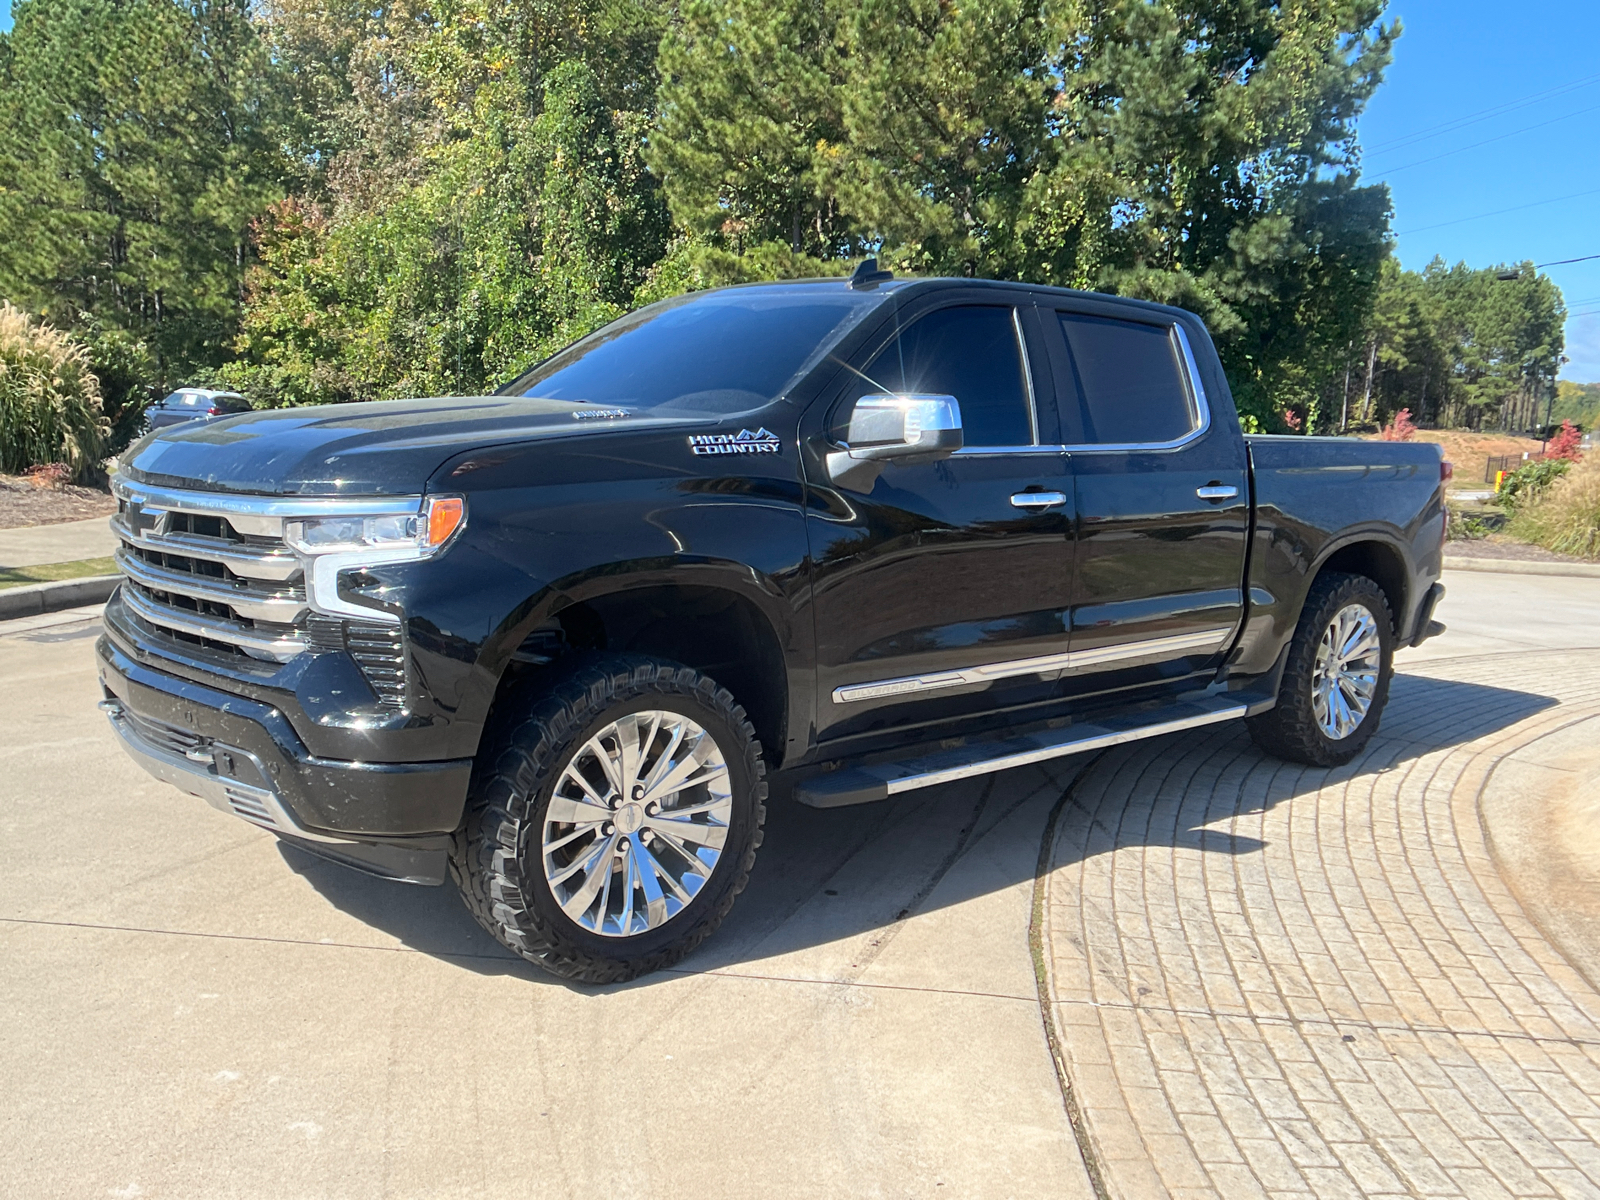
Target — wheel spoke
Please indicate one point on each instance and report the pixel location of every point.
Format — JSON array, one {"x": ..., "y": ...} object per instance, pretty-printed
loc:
[
  {"x": 594, "y": 862},
  {"x": 630, "y": 749},
  {"x": 603, "y": 756},
  {"x": 696, "y": 865},
  {"x": 649, "y": 873},
  {"x": 581, "y": 831},
  {"x": 715, "y": 836},
  {"x": 663, "y": 762},
  {"x": 569, "y": 810}
]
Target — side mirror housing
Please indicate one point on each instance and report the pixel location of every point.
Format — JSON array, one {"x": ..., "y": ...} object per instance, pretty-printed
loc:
[{"x": 902, "y": 429}]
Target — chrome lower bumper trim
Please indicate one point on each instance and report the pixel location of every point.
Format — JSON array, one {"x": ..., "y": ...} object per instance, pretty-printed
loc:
[{"x": 195, "y": 773}]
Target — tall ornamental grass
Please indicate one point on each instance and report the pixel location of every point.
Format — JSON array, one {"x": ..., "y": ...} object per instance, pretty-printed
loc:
[
  {"x": 1566, "y": 517},
  {"x": 50, "y": 408}
]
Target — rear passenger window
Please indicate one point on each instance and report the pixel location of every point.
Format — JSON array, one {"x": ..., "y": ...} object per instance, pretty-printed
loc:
[
  {"x": 1125, "y": 386},
  {"x": 971, "y": 353}
]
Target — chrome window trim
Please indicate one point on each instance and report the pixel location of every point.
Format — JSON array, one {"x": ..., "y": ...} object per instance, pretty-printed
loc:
[
  {"x": 1199, "y": 408},
  {"x": 1027, "y": 371},
  {"x": 907, "y": 685}
]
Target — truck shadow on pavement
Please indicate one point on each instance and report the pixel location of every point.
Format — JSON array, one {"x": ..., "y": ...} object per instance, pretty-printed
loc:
[{"x": 826, "y": 878}]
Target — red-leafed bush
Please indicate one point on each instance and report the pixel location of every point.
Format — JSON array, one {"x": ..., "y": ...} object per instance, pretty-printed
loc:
[
  {"x": 1400, "y": 429},
  {"x": 1565, "y": 443}
]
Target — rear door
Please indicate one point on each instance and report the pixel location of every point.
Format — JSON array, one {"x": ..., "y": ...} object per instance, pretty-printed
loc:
[
  {"x": 942, "y": 588},
  {"x": 1161, "y": 501}
]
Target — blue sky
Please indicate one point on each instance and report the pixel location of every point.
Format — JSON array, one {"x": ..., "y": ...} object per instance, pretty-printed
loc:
[
  {"x": 1456, "y": 60},
  {"x": 1456, "y": 63}
]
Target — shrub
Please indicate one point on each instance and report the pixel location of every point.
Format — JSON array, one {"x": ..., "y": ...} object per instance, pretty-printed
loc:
[
  {"x": 1527, "y": 483},
  {"x": 1400, "y": 429},
  {"x": 1566, "y": 518},
  {"x": 49, "y": 399},
  {"x": 1565, "y": 443}
]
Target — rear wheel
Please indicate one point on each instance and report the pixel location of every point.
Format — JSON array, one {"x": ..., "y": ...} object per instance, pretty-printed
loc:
[
  {"x": 1336, "y": 680},
  {"x": 614, "y": 818}
]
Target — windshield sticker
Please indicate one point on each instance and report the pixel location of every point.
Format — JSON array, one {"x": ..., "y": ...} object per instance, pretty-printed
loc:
[
  {"x": 598, "y": 414},
  {"x": 743, "y": 442}
]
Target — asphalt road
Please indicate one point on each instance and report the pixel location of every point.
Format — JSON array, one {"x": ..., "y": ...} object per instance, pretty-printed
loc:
[{"x": 189, "y": 1009}]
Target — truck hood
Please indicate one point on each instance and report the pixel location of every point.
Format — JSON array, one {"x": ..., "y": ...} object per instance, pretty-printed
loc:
[{"x": 384, "y": 447}]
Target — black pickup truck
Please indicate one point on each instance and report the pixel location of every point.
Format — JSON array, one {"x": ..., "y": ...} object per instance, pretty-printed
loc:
[{"x": 875, "y": 534}]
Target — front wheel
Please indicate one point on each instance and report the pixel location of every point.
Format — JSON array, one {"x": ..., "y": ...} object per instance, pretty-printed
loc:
[
  {"x": 1336, "y": 680},
  {"x": 613, "y": 819}
]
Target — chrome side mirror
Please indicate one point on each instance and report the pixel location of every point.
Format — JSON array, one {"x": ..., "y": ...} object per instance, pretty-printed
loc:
[{"x": 895, "y": 429}]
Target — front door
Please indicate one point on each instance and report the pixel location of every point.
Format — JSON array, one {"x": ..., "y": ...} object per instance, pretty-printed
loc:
[
  {"x": 1162, "y": 505},
  {"x": 944, "y": 587}
]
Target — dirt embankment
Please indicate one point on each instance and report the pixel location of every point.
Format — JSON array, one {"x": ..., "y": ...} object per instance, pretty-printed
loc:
[{"x": 1471, "y": 452}]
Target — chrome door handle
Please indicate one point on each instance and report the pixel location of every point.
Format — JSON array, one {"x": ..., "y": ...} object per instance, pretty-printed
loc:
[
  {"x": 1224, "y": 492},
  {"x": 1038, "y": 499}
]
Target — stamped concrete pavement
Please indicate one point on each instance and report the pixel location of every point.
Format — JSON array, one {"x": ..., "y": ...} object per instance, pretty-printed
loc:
[{"x": 1266, "y": 979}]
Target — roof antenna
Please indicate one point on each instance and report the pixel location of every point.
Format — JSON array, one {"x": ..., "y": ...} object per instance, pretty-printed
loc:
[{"x": 868, "y": 276}]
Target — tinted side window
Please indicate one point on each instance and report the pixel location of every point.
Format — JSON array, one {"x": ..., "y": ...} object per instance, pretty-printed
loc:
[
  {"x": 970, "y": 353},
  {"x": 1125, "y": 382}
]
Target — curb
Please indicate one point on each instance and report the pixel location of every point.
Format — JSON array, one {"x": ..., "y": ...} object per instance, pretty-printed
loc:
[
  {"x": 1513, "y": 566},
  {"x": 34, "y": 598}
]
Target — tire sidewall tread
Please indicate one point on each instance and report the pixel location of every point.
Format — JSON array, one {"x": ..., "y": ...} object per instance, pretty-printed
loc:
[
  {"x": 1289, "y": 730},
  {"x": 495, "y": 856}
]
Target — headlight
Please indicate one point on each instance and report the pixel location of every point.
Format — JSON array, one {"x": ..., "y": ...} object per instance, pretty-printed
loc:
[
  {"x": 441, "y": 516},
  {"x": 335, "y": 544}
]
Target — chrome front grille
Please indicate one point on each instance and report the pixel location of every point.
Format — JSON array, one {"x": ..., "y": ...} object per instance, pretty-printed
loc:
[
  {"x": 194, "y": 576},
  {"x": 211, "y": 570}
]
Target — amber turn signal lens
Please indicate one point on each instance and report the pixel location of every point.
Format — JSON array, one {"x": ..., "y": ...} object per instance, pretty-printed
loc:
[{"x": 445, "y": 514}]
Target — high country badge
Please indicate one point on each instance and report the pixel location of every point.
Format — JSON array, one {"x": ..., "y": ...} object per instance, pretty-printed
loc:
[{"x": 743, "y": 442}]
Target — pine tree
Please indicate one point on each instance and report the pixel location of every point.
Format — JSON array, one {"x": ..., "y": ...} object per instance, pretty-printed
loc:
[{"x": 137, "y": 141}]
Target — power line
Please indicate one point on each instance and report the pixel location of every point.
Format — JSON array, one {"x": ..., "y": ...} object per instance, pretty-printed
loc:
[
  {"x": 1558, "y": 262},
  {"x": 1455, "y": 123},
  {"x": 1499, "y": 137},
  {"x": 1497, "y": 212}
]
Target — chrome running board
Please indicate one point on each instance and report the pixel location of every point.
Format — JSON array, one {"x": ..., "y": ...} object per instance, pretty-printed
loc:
[{"x": 864, "y": 785}]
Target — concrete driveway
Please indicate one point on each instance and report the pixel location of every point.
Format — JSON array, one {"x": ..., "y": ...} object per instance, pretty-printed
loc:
[{"x": 190, "y": 1009}]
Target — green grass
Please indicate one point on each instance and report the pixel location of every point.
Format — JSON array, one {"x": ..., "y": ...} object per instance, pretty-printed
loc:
[{"x": 11, "y": 577}]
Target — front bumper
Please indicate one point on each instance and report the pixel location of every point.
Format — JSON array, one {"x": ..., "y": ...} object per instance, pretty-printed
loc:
[{"x": 243, "y": 757}]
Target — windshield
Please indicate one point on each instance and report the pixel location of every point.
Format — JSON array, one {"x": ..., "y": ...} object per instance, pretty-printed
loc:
[{"x": 711, "y": 353}]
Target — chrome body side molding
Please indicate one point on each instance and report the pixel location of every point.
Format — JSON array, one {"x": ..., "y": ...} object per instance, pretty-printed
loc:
[{"x": 1205, "y": 640}]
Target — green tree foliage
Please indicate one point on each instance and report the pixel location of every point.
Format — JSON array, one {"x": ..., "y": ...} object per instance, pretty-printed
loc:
[
  {"x": 1578, "y": 403},
  {"x": 1458, "y": 347},
  {"x": 317, "y": 201},
  {"x": 137, "y": 141},
  {"x": 1199, "y": 154},
  {"x": 490, "y": 205},
  {"x": 49, "y": 398}
]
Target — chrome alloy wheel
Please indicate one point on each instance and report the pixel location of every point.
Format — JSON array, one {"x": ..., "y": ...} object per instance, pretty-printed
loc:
[
  {"x": 636, "y": 823},
  {"x": 1345, "y": 677}
]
